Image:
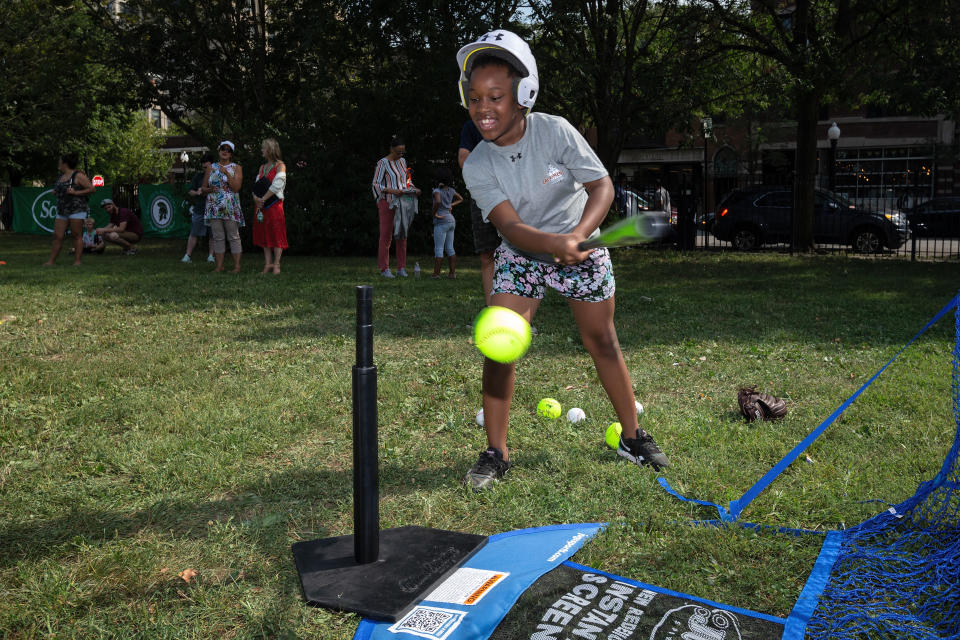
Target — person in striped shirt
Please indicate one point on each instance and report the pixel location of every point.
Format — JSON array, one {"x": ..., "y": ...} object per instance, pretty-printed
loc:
[{"x": 390, "y": 181}]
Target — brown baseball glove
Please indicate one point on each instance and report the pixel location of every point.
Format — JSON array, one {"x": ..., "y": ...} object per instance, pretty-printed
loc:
[{"x": 756, "y": 405}]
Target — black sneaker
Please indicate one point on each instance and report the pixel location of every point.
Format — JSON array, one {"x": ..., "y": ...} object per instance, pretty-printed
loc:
[
  {"x": 643, "y": 450},
  {"x": 490, "y": 467}
]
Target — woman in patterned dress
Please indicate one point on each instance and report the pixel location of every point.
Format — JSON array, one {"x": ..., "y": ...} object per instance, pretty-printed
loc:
[{"x": 221, "y": 183}]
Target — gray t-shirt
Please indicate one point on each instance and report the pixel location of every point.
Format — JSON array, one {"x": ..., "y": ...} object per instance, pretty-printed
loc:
[{"x": 542, "y": 176}]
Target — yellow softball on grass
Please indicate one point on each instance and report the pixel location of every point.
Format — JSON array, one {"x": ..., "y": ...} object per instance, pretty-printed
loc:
[
  {"x": 612, "y": 436},
  {"x": 548, "y": 408}
]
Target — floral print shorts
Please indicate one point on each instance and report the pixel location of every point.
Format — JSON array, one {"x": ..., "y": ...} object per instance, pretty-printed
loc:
[{"x": 589, "y": 281}]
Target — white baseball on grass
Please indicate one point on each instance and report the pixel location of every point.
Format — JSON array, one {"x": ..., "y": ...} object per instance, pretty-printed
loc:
[
  {"x": 480, "y": 417},
  {"x": 639, "y": 407},
  {"x": 576, "y": 414}
]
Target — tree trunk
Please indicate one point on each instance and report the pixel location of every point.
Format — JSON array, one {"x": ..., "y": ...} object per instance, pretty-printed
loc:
[
  {"x": 608, "y": 145},
  {"x": 808, "y": 107},
  {"x": 806, "y": 156},
  {"x": 260, "y": 52}
]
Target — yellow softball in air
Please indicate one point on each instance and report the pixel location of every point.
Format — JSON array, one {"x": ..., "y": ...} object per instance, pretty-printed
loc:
[{"x": 501, "y": 334}]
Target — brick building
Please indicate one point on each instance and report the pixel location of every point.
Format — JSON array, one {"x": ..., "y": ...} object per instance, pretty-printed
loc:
[{"x": 886, "y": 161}]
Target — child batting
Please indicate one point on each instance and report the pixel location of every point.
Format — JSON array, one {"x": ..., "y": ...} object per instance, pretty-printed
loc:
[{"x": 539, "y": 182}]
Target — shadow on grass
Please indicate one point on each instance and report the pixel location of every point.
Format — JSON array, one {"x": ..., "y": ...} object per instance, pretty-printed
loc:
[
  {"x": 296, "y": 494},
  {"x": 663, "y": 297}
]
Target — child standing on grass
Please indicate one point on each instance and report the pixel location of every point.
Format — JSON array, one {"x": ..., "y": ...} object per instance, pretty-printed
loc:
[
  {"x": 545, "y": 190},
  {"x": 444, "y": 224}
]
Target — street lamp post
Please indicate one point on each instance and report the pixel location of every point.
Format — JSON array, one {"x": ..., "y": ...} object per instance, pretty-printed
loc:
[
  {"x": 707, "y": 124},
  {"x": 833, "y": 133},
  {"x": 184, "y": 158}
]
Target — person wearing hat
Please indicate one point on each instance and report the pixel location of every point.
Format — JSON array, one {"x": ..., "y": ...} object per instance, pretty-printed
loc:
[
  {"x": 221, "y": 184},
  {"x": 124, "y": 228},
  {"x": 545, "y": 190}
]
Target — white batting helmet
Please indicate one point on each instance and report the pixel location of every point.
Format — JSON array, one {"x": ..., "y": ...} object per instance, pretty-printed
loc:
[{"x": 507, "y": 46}]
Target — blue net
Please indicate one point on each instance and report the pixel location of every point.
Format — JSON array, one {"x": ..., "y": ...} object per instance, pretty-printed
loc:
[{"x": 897, "y": 575}]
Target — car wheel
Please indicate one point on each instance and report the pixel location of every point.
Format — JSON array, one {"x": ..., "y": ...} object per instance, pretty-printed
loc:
[
  {"x": 867, "y": 241},
  {"x": 745, "y": 239}
]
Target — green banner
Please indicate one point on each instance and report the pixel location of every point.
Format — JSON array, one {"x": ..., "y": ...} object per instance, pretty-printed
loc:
[
  {"x": 35, "y": 209},
  {"x": 164, "y": 211}
]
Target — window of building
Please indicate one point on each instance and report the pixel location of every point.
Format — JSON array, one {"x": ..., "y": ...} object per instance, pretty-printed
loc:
[
  {"x": 725, "y": 162},
  {"x": 885, "y": 176},
  {"x": 156, "y": 117}
]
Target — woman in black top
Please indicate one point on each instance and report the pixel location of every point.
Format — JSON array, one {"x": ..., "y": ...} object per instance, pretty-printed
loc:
[{"x": 73, "y": 190}]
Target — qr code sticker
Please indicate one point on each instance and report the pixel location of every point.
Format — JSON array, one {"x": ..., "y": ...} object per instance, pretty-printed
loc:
[{"x": 429, "y": 622}]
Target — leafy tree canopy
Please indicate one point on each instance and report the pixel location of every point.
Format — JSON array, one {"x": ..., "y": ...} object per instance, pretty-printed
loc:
[
  {"x": 333, "y": 80},
  {"x": 124, "y": 147},
  {"x": 53, "y": 85}
]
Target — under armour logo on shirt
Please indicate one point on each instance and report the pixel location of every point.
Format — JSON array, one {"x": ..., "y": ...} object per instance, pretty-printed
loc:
[{"x": 516, "y": 157}]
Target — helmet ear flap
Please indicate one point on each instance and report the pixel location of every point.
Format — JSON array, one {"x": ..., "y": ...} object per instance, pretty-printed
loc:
[
  {"x": 464, "y": 91},
  {"x": 525, "y": 92}
]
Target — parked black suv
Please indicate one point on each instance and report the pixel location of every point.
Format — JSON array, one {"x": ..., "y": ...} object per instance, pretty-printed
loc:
[
  {"x": 936, "y": 218},
  {"x": 754, "y": 216}
]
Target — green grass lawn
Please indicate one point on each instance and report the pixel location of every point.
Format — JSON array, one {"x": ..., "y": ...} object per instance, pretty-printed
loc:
[{"x": 156, "y": 417}]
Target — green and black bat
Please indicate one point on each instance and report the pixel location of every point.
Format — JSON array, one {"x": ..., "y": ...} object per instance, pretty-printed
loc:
[{"x": 633, "y": 230}]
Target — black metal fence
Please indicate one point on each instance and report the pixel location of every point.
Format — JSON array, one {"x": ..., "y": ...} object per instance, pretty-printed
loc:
[
  {"x": 757, "y": 214},
  {"x": 126, "y": 195},
  {"x": 6, "y": 208}
]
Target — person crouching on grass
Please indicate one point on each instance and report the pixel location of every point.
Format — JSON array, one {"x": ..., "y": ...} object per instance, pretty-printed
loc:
[
  {"x": 124, "y": 228},
  {"x": 543, "y": 187}
]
